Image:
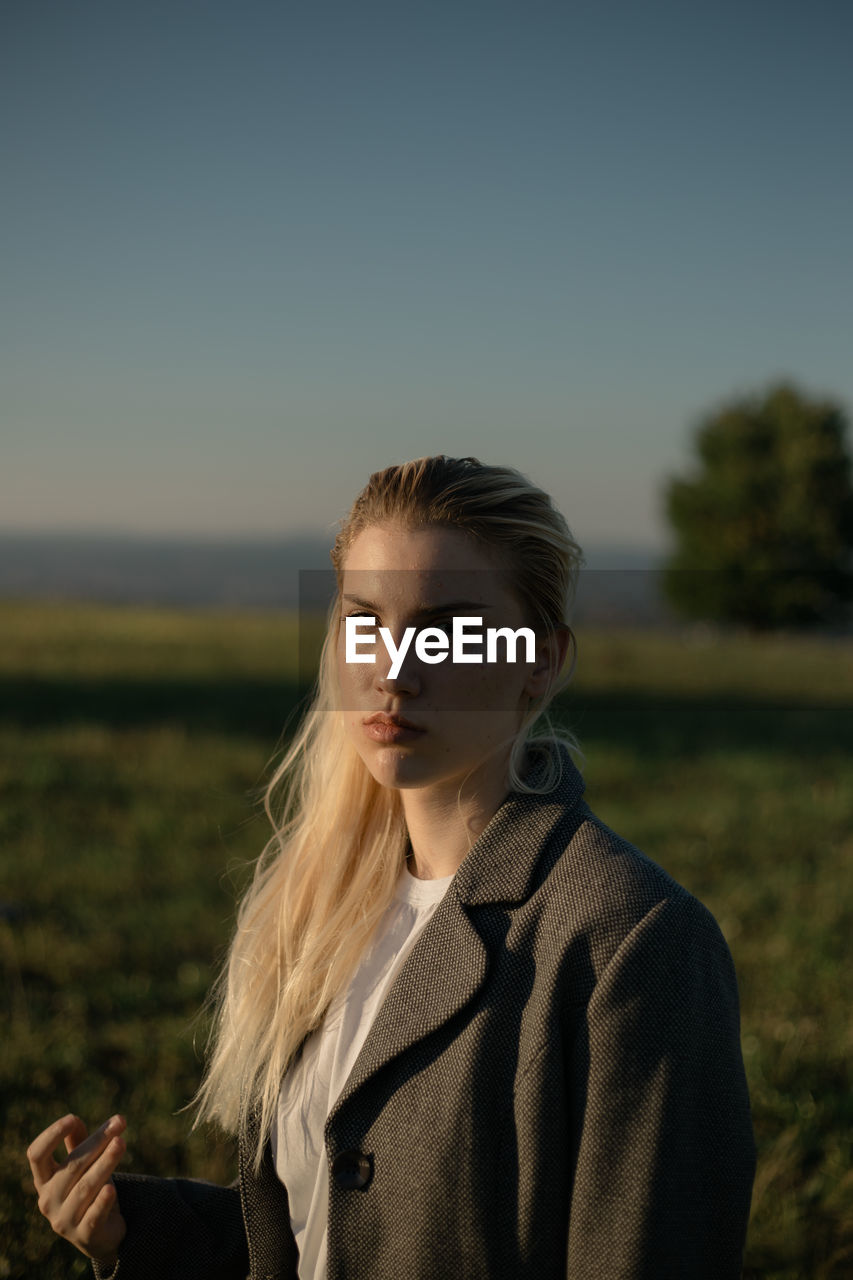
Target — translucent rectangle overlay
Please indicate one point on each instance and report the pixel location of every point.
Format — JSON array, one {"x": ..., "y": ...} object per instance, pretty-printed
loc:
[{"x": 732, "y": 599}]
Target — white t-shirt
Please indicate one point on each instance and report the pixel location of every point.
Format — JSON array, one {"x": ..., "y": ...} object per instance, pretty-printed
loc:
[{"x": 312, "y": 1086}]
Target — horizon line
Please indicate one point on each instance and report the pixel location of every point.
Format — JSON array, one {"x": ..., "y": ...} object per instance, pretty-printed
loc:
[{"x": 207, "y": 537}]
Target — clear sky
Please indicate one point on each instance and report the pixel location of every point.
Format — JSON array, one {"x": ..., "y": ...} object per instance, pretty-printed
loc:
[{"x": 254, "y": 251}]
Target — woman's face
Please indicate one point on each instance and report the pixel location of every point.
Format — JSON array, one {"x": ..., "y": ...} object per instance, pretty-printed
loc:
[{"x": 463, "y": 714}]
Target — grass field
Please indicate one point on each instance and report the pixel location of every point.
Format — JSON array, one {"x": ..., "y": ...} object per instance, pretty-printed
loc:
[{"x": 133, "y": 746}]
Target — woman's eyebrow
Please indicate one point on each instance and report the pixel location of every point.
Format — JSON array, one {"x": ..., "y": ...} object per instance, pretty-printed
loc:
[{"x": 429, "y": 611}]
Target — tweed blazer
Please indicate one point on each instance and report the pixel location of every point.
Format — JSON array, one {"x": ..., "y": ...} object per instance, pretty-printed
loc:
[{"x": 553, "y": 1087}]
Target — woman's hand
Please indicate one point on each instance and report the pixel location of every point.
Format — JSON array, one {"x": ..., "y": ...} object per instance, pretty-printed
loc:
[{"x": 77, "y": 1197}]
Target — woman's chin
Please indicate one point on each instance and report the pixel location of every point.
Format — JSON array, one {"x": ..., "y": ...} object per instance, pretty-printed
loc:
[{"x": 394, "y": 767}]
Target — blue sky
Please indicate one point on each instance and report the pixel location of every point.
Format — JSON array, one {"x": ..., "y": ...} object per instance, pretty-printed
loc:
[{"x": 255, "y": 251}]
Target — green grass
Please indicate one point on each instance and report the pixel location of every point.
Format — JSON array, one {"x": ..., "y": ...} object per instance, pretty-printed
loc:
[{"x": 133, "y": 744}]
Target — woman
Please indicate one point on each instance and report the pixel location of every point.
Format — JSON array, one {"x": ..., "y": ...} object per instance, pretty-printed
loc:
[{"x": 464, "y": 1028}]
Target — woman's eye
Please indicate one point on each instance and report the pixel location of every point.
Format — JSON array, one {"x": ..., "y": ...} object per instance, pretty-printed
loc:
[{"x": 440, "y": 624}]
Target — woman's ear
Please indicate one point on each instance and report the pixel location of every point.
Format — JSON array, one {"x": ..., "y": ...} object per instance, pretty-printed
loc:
[{"x": 551, "y": 650}]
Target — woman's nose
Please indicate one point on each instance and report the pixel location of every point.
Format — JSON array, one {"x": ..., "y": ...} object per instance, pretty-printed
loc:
[{"x": 407, "y": 680}]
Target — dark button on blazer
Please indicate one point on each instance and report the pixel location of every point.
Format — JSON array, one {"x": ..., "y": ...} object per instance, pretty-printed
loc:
[{"x": 553, "y": 1087}]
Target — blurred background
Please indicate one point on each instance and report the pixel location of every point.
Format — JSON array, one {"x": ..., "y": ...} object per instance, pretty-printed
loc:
[{"x": 255, "y": 252}]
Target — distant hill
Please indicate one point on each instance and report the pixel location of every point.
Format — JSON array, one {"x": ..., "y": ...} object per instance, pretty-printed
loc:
[
  {"x": 617, "y": 585},
  {"x": 117, "y": 569}
]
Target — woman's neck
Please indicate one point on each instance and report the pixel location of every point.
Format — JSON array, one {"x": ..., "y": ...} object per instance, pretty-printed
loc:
[{"x": 443, "y": 827}]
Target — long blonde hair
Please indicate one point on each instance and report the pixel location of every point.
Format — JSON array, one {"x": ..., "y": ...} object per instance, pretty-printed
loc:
[{"x": 339, "y": 839}]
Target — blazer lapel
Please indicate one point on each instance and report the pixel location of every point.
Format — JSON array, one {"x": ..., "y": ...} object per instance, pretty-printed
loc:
[{"x": 445, "y": 968}]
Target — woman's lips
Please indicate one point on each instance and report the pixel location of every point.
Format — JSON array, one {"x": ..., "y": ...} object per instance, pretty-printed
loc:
[{"x": 385, "y": 731}]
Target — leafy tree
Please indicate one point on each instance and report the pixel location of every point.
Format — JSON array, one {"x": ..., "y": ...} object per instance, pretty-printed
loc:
[{"x": 764, "y": 526}]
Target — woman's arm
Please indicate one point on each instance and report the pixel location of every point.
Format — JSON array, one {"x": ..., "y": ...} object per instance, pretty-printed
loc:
[{"x": 665, "y": 1146}]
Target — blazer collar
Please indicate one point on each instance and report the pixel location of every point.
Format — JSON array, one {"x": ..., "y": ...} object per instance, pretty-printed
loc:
[{"x": 500, "y": 864}]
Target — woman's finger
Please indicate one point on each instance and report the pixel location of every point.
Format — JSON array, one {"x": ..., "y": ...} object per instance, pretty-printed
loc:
[
  {"x": 41, "y": 1149},
  {"x": 87, "y": 1193},
  {"x": 71, "y": 1205},
  {"x": 84, "y": 1154},
  {"x": 98, "y": 1212}
]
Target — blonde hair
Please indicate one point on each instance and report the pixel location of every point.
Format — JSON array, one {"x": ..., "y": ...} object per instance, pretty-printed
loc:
[{"x": 339, "y": 839}]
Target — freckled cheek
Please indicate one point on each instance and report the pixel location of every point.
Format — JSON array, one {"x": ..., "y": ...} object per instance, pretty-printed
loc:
[
  {"x": 352, "y": 673},
  {"x": 485, "y": 676}
]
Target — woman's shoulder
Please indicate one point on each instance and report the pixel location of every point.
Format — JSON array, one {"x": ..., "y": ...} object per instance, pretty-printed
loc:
[
  {"x": 600, "y": 887},
  {"x": 614, "y": 867}
]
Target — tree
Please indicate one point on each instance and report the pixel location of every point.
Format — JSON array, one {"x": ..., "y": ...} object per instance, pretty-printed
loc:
[{"x": 764, "y": 526}]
